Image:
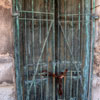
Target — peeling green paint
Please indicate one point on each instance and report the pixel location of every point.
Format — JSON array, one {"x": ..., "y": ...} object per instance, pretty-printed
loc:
[{"x": 78, "y": 75}]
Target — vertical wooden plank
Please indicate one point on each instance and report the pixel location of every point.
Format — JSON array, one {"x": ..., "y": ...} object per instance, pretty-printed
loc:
[
  {"x": 71, "y": 82},
  {"x": 92, "y": 51},
  {"x": 33, "y": 44},
  {"x": 79, "y": 58},
  {"x": 65, "y": 30},
  {"x": 17, "y": 54},
  {"x": 53, "y": 50},
  {"x": 87, "y": 51},
  {"x": 47, "y": 60},
  {"x": 26, "y": 50}
]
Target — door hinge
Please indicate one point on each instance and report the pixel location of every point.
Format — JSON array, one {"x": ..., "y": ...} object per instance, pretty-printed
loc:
[{"x": 16, "y": 14}]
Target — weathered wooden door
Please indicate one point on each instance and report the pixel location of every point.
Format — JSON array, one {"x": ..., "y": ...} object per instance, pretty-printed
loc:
[{"x": 52, "y": 44}]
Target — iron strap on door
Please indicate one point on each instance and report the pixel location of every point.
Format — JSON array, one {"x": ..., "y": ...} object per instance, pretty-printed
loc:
[{"x": 52, "y": 44}]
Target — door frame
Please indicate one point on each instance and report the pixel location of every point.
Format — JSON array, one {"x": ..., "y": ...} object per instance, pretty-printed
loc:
[{"x": 87, "y": 70}]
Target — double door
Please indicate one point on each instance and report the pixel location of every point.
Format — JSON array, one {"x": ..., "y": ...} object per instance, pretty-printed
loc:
[{"x": 52, "y": 49}]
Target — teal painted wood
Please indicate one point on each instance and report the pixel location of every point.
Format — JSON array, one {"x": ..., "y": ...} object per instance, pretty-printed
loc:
[
  {"x": 92, "y": 52},
  {"x": 17, "y": 53},
  {"x": 87, "y": 51},
  {"x": 68, "y": 43},
  {"x": 53, "y": 50}
]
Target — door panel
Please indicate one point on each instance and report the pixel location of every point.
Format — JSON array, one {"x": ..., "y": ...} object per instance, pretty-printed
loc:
[
  {"x": 52, "y": 49},
  {"x": 36, "y": 24}
]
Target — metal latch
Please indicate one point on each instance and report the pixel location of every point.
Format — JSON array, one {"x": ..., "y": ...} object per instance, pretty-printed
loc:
[
  {"x": 58, "y": 78},
  {"x": 16, "y": 14}
]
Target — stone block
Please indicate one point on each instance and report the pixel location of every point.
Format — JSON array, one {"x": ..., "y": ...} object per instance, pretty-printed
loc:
[
  {"x": 6, "y": 69},
  {"x": 6, "y": 34},
  {"x": 96, "y": 88},
  {"x": 7, "y": 93}
]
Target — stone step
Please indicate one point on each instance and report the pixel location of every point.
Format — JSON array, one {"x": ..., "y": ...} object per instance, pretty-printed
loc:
[
  {"x": 96, "y": 88},
  {"x": 7, "y": 92},
  {"x": 6, "y": 69}
]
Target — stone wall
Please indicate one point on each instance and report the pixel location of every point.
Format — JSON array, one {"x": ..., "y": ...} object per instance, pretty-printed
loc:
[
  {"x": 96, "y": 71},
  {"x": 97, "y": 41},
  {"x": 5, "y": 27},
  {"x": 7, "y": 79}
]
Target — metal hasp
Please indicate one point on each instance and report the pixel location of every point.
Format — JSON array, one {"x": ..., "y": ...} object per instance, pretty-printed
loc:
[{"x": 53, "y": 40}]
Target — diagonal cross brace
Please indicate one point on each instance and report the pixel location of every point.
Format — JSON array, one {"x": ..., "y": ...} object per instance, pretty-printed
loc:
[
  {"x": 33, "y": 78},
  {"x": 70, "y": 50}
]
